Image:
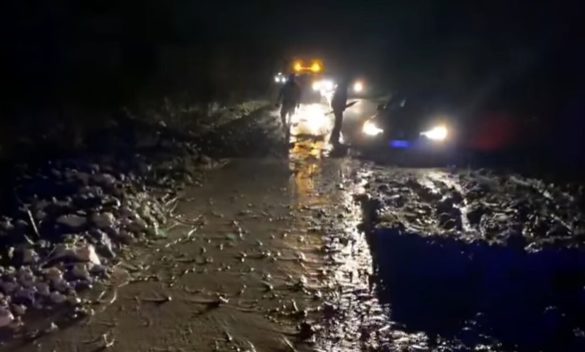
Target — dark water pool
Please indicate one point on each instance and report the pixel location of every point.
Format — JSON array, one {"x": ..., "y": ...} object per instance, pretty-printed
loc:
[{"x": 480, "y": 294}]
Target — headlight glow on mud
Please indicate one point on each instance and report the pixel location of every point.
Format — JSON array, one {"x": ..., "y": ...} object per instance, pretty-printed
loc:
[
  {"x": 437, "y": 133},
  {"x": 370, "y": 129},
  {"x": 311, "y": 119}
]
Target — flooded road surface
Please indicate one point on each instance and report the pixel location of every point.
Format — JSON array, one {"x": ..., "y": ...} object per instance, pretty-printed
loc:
[{"x": 261, "y": 253}]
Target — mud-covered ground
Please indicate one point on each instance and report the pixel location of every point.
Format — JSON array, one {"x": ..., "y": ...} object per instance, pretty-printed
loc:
[
  {"x": 285, "y": 248},
  {"x": 479, "y": 257}
]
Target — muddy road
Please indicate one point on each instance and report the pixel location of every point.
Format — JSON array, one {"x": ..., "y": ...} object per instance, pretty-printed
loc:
[
  {"x": 292, "y": 250},
  {"x": 262, "y": 250}
]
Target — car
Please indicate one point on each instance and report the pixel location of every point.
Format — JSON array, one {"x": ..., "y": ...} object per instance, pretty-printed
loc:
[{"x": 414, "y": 126}]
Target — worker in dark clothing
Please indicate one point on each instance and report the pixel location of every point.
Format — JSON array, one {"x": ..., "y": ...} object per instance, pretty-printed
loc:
[
  {"x": 289, "y": 99},
  {"x": 338, "y": 104}
]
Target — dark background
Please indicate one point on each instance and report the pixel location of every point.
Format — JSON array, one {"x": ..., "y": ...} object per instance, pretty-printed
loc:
[{"x": 65, "y": 58}]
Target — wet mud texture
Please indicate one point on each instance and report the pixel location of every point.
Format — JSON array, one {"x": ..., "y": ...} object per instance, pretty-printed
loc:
[
  {"x": 478, "y": 258},
  {"x": 275, "y": 254},
  {"x": 268, "y": 249}
]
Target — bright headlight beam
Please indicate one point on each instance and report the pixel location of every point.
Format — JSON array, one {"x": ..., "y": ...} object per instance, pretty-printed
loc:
[
  {"x": 358, "y": 87},
  {"x": 438, "y": 133},
  {"x": 316, "y": 86},
  {"x": 311, "y": 119},
  {"x": 370, "y": 129},
  {"x": 328, "y": 85}
]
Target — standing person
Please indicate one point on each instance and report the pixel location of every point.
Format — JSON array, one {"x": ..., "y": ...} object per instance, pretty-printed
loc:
[
  {"x": 289, "y": 99},
  {"x": 338, "y": 104}
]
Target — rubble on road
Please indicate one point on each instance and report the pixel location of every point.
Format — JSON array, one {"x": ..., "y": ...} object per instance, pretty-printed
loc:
[{"x": 69, "y": 219}]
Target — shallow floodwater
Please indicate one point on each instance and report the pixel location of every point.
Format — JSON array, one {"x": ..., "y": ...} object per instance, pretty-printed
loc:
[{"x": 261, "y": 253}]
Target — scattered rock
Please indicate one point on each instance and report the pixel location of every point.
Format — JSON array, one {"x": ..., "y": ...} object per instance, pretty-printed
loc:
[
  {"x": 76, "y": 214},
  {"x": 103, "y": 221},
  {"x": 105, "y": 247},
  {"x": 57, "y": 297},
  {"x": 72, "y": 221},
  {"x": 26, "y": 256},
  {"x": 80, "y": 271},
  {"x": 87, "y": 254},
  {"x": 104, "y": 179},
  {"x": 19, "y": 309},
  {"x": 80, "y": 252},
  {"x": 6, "y": 317}
]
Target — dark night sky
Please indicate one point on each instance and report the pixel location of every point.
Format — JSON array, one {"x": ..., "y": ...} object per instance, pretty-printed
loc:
[{"x": 462, "y": 46}]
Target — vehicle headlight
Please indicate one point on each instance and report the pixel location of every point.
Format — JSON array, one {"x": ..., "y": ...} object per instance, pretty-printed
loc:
[
  {"x": 279, "y": 78},
  {"x": 327, "y": 85},
  {"x": 358, "y": 87},
  {"x": 316, "y": 86},
  {"x": 370, "y": 129},
  {"x": 437, "y": 133}
]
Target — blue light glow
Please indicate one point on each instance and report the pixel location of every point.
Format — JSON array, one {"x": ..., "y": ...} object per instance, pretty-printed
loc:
[{"x": 398, "y": 144}]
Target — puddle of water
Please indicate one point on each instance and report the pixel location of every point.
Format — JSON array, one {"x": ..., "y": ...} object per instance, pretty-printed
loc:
[{"x": 467, "y": 293}]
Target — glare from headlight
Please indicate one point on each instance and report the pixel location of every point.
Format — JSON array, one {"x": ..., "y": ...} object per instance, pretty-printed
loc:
[
  {"x": 358, "y": 87},
  {"x": 324, "y": 86},
  {"x": 311, "y": 119},
  {"x": 327, "y": 85},
  {"x": 316, "y": 86},
  {"x": 370, "y": 129},
  {"x": 280, "y": 78},
  {"x": 438, "y": 133}
]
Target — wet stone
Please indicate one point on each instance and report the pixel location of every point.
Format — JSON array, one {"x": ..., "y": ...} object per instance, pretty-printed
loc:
[
  {"x": 79, "y": 271},
  {"x": 26, "y": 256},
  {"x": 104, "y": 246},
  {"x": 103, "y": 221},
  {"x": 6, "y": 317},
  {"x": 24, "y": 296},
  {"x": 72, "y": 221},
  {"x": 19, "y": 309},
  {"x": 57, "y": 297}
]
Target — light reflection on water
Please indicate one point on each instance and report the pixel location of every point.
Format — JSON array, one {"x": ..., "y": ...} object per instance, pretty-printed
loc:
[{"x": 361, "y": 322}]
